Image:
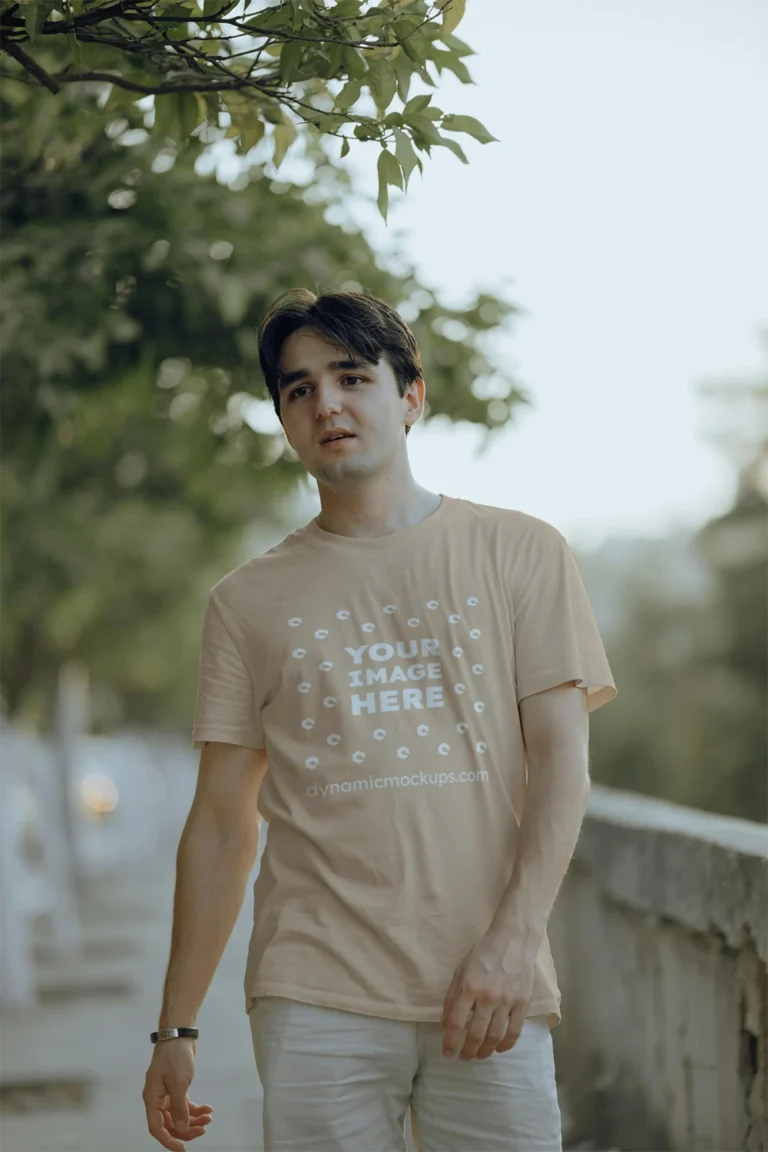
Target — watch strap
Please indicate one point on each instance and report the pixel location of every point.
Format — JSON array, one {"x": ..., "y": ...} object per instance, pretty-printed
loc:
[{"x": 173, "y": 1033}]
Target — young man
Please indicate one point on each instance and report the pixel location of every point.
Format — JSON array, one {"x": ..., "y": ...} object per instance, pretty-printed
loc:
[{"x": 401, "y": 688}]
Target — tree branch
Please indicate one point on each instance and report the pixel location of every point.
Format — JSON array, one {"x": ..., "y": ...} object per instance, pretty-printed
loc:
[
  {"x": 144, "y": 89},
  {"x": 31, "y": 66}
]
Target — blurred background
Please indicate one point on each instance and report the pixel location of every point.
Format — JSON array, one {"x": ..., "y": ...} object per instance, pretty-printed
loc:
[{"x": 589, "y": 293}]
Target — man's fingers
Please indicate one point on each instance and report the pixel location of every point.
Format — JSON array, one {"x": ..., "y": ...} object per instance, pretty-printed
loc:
[
  {"x": 157, "y": 1128},
  {"x": 456, "y": 1022},
  {"x": 511, "y": 1035},
  {"x": 201, "y": 1121},
  {"x": 195, "y": 1128},
  {"x": 478, "y": 1030},
  {"x": 451, "y": 1036},
  {"x": 199, "y": 1109},
  {"x": 179, "y": 1109},
  {"x": 497, "y": 1030}
]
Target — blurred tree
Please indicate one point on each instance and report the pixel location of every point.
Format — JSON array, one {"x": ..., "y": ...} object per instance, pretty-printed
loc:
[
  {"x": 736, "y": 547},
  {"x": 690, "y": 723},
  {"x": 131, "y": 291},
  {"x": 666, "y": 735},
  {"x": 256, "y": 71}
]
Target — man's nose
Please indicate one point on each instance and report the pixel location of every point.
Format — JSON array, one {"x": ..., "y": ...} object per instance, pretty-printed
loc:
[{"x": 327, "y": 399}]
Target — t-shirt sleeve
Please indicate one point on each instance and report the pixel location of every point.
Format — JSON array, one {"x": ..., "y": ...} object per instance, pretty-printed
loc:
[
  {"x": 227, "y": 709},
  {"x": 556, "y": 637}
]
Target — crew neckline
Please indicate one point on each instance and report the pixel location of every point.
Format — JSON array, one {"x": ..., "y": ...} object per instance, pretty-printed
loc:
[{"x": 418, "y": 531}]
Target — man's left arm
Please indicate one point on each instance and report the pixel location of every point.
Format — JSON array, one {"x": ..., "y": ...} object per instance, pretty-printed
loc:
[{"x": 496, "y": 978}]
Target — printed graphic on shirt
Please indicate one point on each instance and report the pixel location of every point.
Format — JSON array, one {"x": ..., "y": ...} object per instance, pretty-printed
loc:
[{"x": 395, "y": 681}]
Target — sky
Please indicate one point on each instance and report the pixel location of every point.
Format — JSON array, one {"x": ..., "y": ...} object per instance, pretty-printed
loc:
[{"x": 624, "y": 210}]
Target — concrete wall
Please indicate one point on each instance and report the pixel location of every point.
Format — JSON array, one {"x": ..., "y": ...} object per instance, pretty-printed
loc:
[{"x": 660, "y": 938}]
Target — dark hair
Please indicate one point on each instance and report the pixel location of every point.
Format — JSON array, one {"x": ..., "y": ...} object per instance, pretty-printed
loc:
[{"x": 359, "y": 322}]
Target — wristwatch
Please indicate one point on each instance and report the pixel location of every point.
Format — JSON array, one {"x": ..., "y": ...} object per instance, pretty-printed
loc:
[{"x": 172, "y": 1033}]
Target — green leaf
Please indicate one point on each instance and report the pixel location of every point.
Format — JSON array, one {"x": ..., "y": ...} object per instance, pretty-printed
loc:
[
  {"x": 404, "y": 72},
  {"x": 344, "y": 147},
  {"x": 417, "y": 104},
  {"x": 290, "y": 61},
  {"x": 172, "y": 8},
  {"x": 392, "y": 171},
  {"x": 325, "y": 121},
  {"x": 207, "y": 106},
  {"x": 188, "y": 113},
  {"x": 422, "y": 72},
  {"x": 36, "y": 12},
  {"x": 383, "y": 197},
  {"x": 354, "y": 63},
  {"x": 253, "y": 133},
  {"x": 453, "y": 12},
  {"x": 212, "y": 7},
  {"x": 335, "y": 54},
  {"x": 344, "y": 9},
  {"x": 404, "y": 25},
  {"x": 118, "y": 97},
  {"x": 272, "y": 113},
  {"x": 458, "y": 47},
  {"x": 424, "y": 128},
  {"x": 382, "y": 81},
  {"x": 417, "y": 47},
  {"x": 458, "y": 67},
  {"x": 76, "y": 51},
  {"x": 285, "y": 134},
  {"x": 406, "y": 155},
  {"x": 367, "y": 130},
  {"x": 454, "y": 147},
  {"x": 178, "y": 31},
  {"x": 176, "y": 115},
  {"x": 469, "y": 125},
  {"x": 348, "y": 95},
  {"x": 316, "y": 63},
  {"x": 271, "y": 19}
]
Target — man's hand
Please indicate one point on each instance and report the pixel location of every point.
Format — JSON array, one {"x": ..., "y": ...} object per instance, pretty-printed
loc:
[
  {"x": 496, "y": 981},
  {"x": 171, "y": 1115}
]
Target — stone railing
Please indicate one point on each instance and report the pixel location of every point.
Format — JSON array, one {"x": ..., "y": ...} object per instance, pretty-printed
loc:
[{"x": 660, "y": 938}]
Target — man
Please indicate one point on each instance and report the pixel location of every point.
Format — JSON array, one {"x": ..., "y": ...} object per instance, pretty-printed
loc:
[{"x": 401, "y": 688}]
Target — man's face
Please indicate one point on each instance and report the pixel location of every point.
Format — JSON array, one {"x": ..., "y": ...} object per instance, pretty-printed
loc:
[{"x": 323, "y": 390}]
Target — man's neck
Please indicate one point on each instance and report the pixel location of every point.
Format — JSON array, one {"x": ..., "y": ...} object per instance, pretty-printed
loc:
[{"x": 361, "y": 519}]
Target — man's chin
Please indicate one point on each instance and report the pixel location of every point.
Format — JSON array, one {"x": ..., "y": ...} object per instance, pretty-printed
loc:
[{"x": 330, "y": 472}]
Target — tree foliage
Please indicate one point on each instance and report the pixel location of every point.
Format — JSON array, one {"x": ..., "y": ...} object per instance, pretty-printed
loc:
[
  {"x": 135, "y": 448},
  {"x": 690, "y": 723},
  {"x": 259, "y": 73}
]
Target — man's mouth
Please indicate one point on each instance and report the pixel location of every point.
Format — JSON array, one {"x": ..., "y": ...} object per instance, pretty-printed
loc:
[{"x": 340, "y": 436}]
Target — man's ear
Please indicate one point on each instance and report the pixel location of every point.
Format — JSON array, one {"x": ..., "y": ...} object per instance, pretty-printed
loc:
[{"x": 414, "y": 385}]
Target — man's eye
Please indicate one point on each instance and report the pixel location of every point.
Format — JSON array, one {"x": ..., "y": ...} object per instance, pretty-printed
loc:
[{"x": 302, "y": 387}]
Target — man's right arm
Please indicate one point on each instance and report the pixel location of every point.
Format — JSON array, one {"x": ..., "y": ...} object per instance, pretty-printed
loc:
[{"x": 217, "y": 850}]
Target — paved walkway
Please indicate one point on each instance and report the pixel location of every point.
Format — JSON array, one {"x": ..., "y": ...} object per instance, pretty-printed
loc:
[{"x": 94, "y": 1021}]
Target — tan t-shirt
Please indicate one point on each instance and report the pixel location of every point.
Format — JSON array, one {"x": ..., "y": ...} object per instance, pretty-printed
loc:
[{"x": 382, "y": 676}]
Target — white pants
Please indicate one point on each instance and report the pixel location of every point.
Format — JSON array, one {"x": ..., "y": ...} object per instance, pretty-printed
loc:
[{"x": 338, "y": 1081}]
